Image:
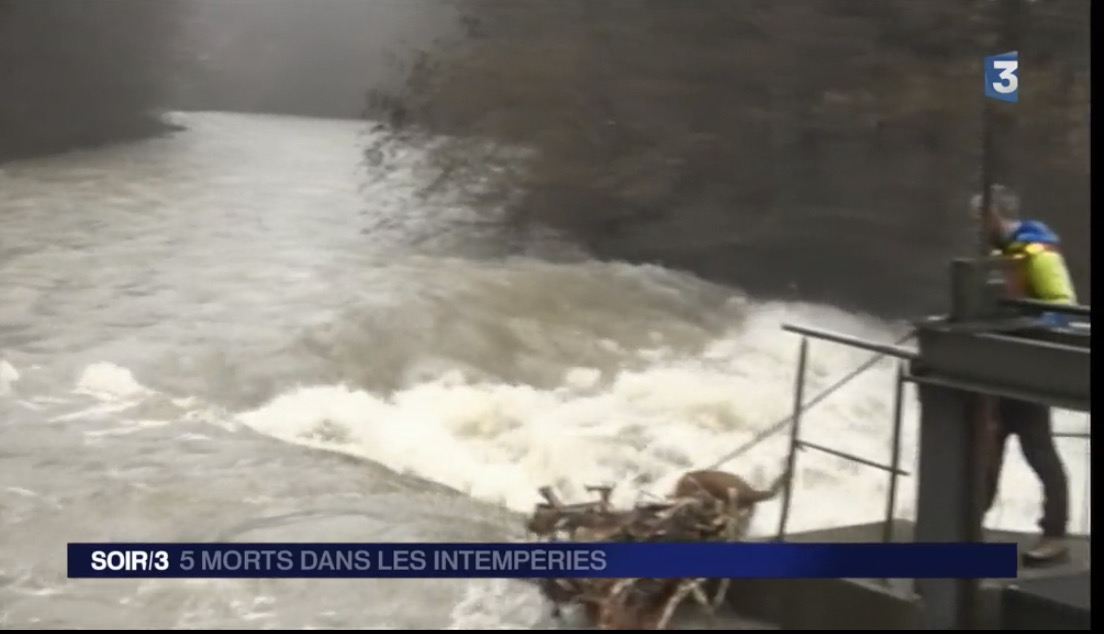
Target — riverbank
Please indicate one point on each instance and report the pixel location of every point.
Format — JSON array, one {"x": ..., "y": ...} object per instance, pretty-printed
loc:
[
  {"x": 61, "y": 140},
  {"x": 83, "y": 76}
]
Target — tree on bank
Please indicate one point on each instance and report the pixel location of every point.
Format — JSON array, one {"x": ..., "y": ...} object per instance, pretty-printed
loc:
[
  {"x": 77, "y": 73},
  {"x": 747, "y": 140}
]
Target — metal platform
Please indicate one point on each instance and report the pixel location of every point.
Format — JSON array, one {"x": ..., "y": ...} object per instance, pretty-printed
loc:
[
  {"x": 987, "y": 345},
  {"x": 1056, "y": 603},
  {"x": 1034, "y": 364},
  {"x": 875, "y": 604},
  {"x": 1080, "y": 546}
]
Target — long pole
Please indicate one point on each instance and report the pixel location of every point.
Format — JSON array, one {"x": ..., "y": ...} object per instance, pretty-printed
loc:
[{"x": 986, "y": 169}]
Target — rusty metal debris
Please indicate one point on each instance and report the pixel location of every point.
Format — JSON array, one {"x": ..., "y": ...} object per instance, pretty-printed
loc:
[{"x": 635, "y": 604}]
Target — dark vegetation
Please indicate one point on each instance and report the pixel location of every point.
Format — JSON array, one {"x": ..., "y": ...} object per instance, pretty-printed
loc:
[
  {"x": 78, "y": 73},
  {"x": 821, "y": 149}
]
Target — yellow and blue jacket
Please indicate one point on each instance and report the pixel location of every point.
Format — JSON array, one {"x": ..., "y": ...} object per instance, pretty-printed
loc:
[{"x": 1039, "y": 271}]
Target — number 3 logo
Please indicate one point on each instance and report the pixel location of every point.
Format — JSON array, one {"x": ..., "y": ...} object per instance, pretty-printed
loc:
[{"x": 1009, "y": 81}]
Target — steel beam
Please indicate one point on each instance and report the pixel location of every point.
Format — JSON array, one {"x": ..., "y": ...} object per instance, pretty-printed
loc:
[
  {"x": 1020, "y": 365},
  {"x": 948, "y": 500}
]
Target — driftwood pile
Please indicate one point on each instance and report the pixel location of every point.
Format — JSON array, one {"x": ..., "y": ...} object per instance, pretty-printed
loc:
[{"x": 639, "y": 604}]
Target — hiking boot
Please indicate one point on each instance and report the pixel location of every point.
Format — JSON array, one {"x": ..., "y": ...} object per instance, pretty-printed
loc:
[{"x": 1046, "y": 551}]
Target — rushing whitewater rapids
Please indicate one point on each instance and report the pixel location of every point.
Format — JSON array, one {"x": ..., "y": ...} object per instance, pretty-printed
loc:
[{"x": 224, "y": 336}]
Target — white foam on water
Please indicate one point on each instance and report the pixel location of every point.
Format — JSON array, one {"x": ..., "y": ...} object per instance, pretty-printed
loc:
[
  {"x": 8, "y": 376},
  {"x": 636, "y": 429},
  {"x": 639, "y": 429},
  {"x": 108, "y": 381},
  {"x": 499, "y": 604}
]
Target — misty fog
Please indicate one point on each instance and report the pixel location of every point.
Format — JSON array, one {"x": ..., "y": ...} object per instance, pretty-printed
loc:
[{"x": 306, "y": 58}]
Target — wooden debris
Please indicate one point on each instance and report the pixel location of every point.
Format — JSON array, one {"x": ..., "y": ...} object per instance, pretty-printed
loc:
[{"x": 635, "y": 604}]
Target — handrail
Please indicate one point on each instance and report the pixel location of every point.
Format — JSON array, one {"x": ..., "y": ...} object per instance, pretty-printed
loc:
[
  {"x": 854, "y": 342},
  {"x": 797, "y": 443},
  {"x": 780, "y": 425},
  {"x": 894, "y": 470},
  {"x": 805, "y": 444}
]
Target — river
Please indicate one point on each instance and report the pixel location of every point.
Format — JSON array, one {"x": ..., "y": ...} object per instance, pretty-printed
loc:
[{"x": 234, "y": 334}]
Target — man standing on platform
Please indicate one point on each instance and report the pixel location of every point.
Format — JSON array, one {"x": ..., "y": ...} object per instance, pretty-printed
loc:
[{"x": 1038, "y": 271}]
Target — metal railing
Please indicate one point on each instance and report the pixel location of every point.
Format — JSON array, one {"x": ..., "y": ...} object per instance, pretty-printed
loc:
[
  {"x": 797, "y": 443},
  {"x": 894, "y": 467}
]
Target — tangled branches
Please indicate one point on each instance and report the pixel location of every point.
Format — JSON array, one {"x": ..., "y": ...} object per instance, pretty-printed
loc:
[{"x": 649, "y": 604}]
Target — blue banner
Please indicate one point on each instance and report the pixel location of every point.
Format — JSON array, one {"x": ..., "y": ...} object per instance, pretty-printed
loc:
[{"x": 617, "y": 560}]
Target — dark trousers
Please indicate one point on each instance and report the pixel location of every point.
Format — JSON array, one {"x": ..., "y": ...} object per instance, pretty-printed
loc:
[{"x": 1031, "y": 424}]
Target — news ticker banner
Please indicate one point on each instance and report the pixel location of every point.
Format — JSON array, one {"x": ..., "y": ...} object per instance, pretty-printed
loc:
[{"x": 513, "y": 561}]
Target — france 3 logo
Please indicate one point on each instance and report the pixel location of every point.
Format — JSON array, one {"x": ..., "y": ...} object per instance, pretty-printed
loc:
[{"x": 1002, "y": 79}]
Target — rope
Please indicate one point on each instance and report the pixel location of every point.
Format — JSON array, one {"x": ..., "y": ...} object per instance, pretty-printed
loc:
[{"x": 780, "y": 425}]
